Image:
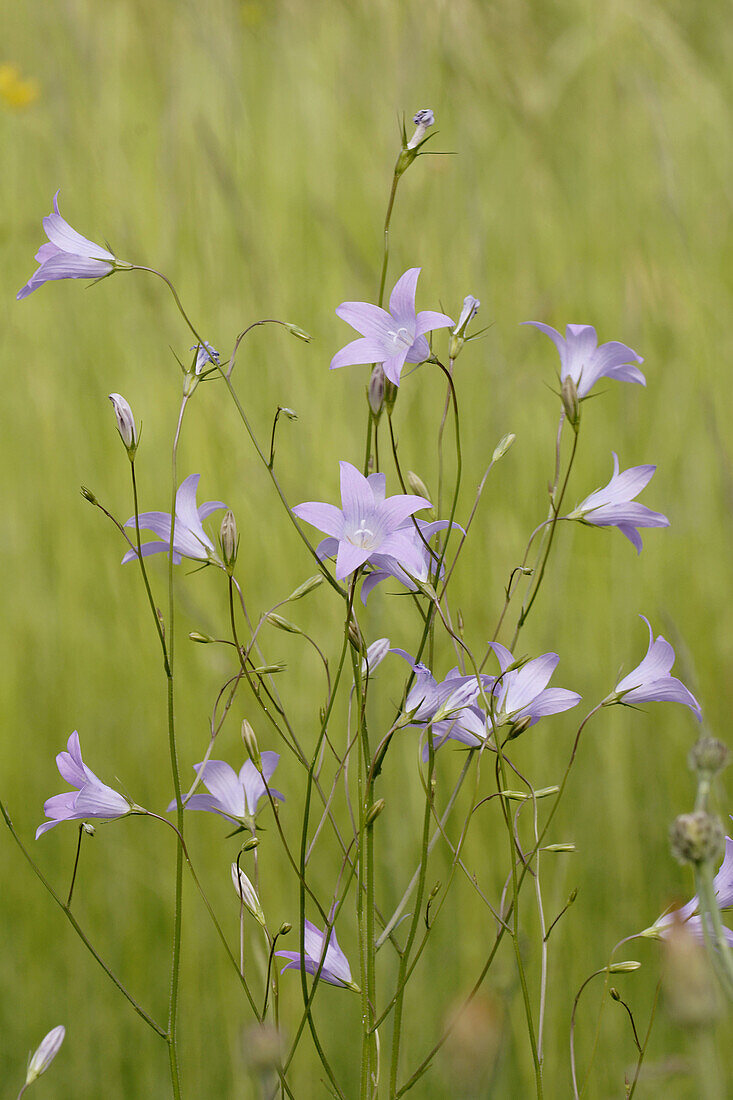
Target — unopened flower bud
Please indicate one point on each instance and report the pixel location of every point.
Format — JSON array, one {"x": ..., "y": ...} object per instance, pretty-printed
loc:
[
  {"x": 458, "y": 336},
  {"x": 417, "y": 485},
  {"x": 559, "y": 848},
  {"x": 284, "y": 928},
  {"x": 229, "y": 540},
  {"x": 375, "y": 390},
  {"x": 614, "y": 993},
  {"x": 355, "y": 637},
  {"x": 708, "y": 756},
  {"x": 375, "y": 654},
  {"x": 519, "y": 727},
  {"x": 269, "y": 670},
  {"x": 45, "y": 1054},
  {"x": 307, "y": 586},
  {"x": 247, "y": 894},
  {"x": 250, "y": 844},
  {"x": 291, "y": 414},
  {"x": 197, "y": 636},
  {"x": 570, "y": 402},
  {"x": 250, "y": 744},
  {"x": 624, "y": 967},
  {"x": 88, "y": 828},
  {"x": 503, "y": 446},
  {"x": 374, "y": 812},
  {"x": 282, "y": 624},
  {"x": 390, "y": 395},
  {"x": 125, "y": 423},
  {"x": 423, "y": 120},
  {"x": 299, "y": 333},
  {"x": 697, "y": 838},
  {"x": 88, "y": 495},
  {"x": 460, "y": 623}
]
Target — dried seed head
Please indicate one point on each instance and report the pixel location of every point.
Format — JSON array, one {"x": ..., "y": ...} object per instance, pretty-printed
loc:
[{"x": 697, "y": 838}]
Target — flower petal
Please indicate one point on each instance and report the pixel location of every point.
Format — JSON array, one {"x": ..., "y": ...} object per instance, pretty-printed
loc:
[
  {"x": 428, "y": 319},
  {"x": 371, "y": 321},
  {"x": 325, "y": 517},
  {"x": 402, "y": 298},
  {"x": 362, "y": 351},
  {"x": 221, "y": 780}
]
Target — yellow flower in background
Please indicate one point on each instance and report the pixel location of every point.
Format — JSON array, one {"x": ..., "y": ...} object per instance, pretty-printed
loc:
[{"x": 14, "y": 91}]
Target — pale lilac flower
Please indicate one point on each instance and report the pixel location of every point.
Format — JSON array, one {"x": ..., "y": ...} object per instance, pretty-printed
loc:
[
  {"x": 469, "y": 311},
  {"x": 91, "y": 798},
  {"x": 375, "y": 654},
  {"x": 335, "y": 969},
  {"x": 449, "y": 707},
  {"x": 125, "y": 422},
  {"x": 522, "y": 694},
  {"x": 585, "y": 362},
  {"x": 367, "y": 525},
  {"x": 205, "y": 353},
  {"x": 614, "y": 505},
  {"x": 41, "y": 1059},
  {"x": 247, "y": 894},
  {"x": 189, "y": 538},
  {"x": 68, "y": 255},
  {"x": 234, "y": 796},
  {"x": 384, "y": 566},
  {"x": 423, "y": 120},
  {"x": 650, "y": 681},
  {"x": 393, "y": 337},
  {"x": 688, "y": 914}
]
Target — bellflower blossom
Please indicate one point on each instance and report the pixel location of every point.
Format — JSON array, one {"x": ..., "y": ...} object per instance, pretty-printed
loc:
[
  {"x": 585, "y": 362},
  {"x": 385, "y": 566},
  {"x": 368, "y": 524},
  {"x": 231, "y": 795},
  {"x": 47, "y": 1050},
  {"x": 449, "y": 707},
  {"x": 189, "y": 538},
  {"x": 422, "y": 121},
  {"x": 205, "y": 353},
  {"x": 614, "y": 505},
  {"x": 522, "y": 694},
  {"x": 91, "y": 799},
  {"x": 68, "y": 255},
  {"x": 650, "y": 681},
  {"x": 335, "y": 969},
  {"x": 391, "y": 338},
  {"x": 689, "y": 915},
  {"x": 125, "y": 422}
]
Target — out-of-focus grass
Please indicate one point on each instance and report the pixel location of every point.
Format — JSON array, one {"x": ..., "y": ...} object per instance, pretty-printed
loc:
[{"x": 246, "y": 150}]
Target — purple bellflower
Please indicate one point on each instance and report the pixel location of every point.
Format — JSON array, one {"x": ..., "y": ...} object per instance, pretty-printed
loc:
[
  {"x": 68, "y": 255},
  {"x": 614, "y": 504},
  {"x": 369, "y": 526},
  {"x": 391, "y": 338},
  {"x": 205, "y": 353},
  {"x": 650, "y": 681},
  {"x": 91, "y": 798},
  {"x": 522, "y": 695},
  {"x": 335, "y": 969},
  {"x": 689, "y": 915},
  {"x": 585, "y": 362},
  {"x": 385, "y": 566},
  {"x": 231, "y": 795},
  {"x": 449, "y": 707},
  {"x": 189, "y": 538}
]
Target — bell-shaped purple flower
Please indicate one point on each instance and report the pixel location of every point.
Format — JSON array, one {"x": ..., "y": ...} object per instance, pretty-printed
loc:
[
  {"x": 335, "y": 969},
  {"x": 391, "y": 338},
  {"x": 231, "y": 795},
  {"x": 650, "y": 682},
  {"x": 189, "y": 538},
  {"x": 368, "y": 525},
  {"x": 522, "y": 694},
  {"x": 585, "y": 362},
  {"x": 689, "y": 914},
  {"x": 614, "y": 505},
  {"x": 419, "y": 532},
  {"x": 90, "y": 798},
  {"x": 449, "y": 707},
  {"x": 68, "y": 255},
  {"x": 205, "y": 354}
]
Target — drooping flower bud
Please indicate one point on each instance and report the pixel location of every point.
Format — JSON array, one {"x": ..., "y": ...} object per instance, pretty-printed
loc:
[
  {"x": 125, "y": 423},
  {"x": 299, "y": 333},
  {"x": 503, "y": 446},
  {"x": 229, "y": 540},
  {"x": 307, "y": 586},
  {"x": 45, "y": 1054},
  {"x": 697, "y": 838},
  {"x": 247, "y": 894},
  {"x": 458, "y": 336},
  {"x": 570, "y": 402},
  {"x": 282, "y": 624},
  {"x": 197, "y": 636}
]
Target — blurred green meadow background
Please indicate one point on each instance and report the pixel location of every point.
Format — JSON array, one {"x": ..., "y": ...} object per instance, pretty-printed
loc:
[{"x": 246, "y": 149}]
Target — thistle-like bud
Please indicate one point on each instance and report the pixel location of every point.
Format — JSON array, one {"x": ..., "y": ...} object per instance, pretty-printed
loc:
[
  {"x": 250, "y": 744},
  {"x": 697, "y": 838},
  {"x": 307, "y": 586},
  {"x": 374, "y": 812},
  {"x": 375, "y": 390},
  {"x": 458, "y": 336},
  {"x": 247, "y": 894},
  {"x": 282, "y": 624},
  {"x": 570, "y": 402},
  {"x": 229, "y": 540},
  {"x": 708, "y": 756},
  {"x": 125, "y": 423},
  {"x": 45, "y": 1054}
]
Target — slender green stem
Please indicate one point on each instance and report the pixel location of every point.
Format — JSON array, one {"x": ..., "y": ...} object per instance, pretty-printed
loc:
[
  {"x": 76, "y": 865},
  {"x": 385, "y": 253},
  {"x": 645, "y": 1042}
]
